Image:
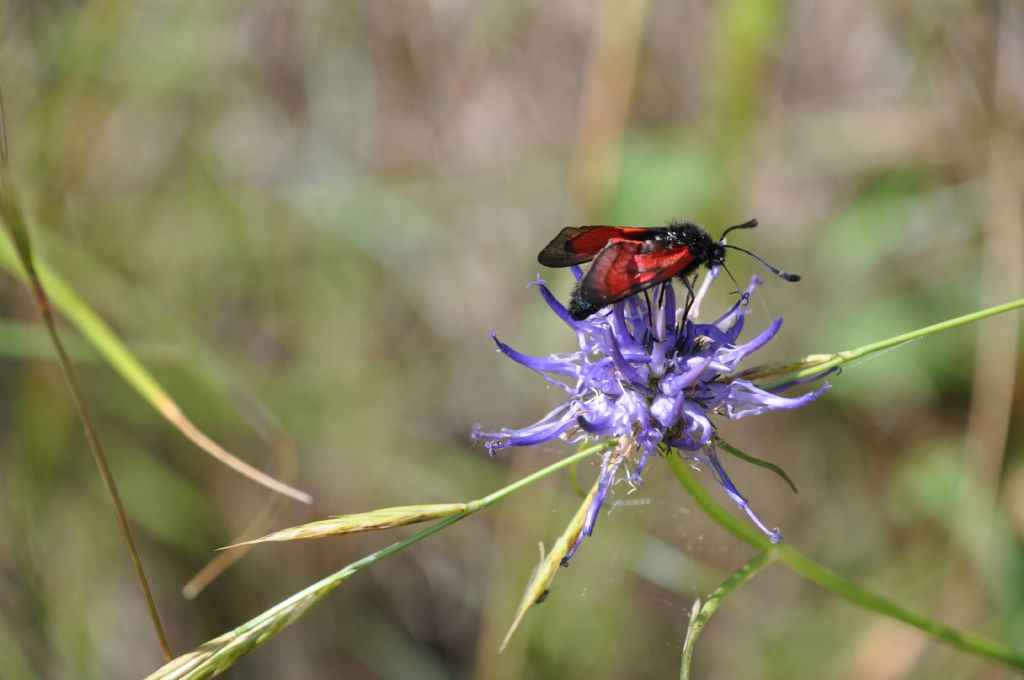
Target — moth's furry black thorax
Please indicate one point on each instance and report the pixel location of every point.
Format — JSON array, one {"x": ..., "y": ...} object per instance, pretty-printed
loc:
[{"x": 706, "y": 250}]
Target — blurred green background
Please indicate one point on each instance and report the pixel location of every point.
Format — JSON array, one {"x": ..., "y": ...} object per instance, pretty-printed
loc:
[{"x": 305, "y": 217}]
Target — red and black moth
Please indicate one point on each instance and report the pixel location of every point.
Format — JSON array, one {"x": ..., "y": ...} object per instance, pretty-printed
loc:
[{"x": 627, "y": 260}]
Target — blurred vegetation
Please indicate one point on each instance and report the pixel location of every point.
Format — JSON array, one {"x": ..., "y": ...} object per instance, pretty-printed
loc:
[{"x": 305, "y": 217}]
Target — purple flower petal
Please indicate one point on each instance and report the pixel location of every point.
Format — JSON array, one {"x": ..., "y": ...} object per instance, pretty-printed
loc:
[
  {"x": 646, "y": 450},
  {"x": 723, "y": 478},
  {"x": 629, "y": 372},
  {"x": 699, "y": 430},
  {"x": 665, "y": 409},
  {"x": 716, "y": 336},
  {"x": 599, "y": 417},
  {"x": 747, "y": 399},
  {"x": 608, "y": 468},
  {"x": 664, "y": 329},
  {"x": 677, "y": 382},
  {"x": 557, "y": 307},
  {"x": 705, "y": 286},
  {"x": 557, "y": 421},
  {"x": 733, "y": 356},
  {"x": 803, "y": 381},
  {"x": 628, "y": 344},
  {"x": 542, "y": 365}
]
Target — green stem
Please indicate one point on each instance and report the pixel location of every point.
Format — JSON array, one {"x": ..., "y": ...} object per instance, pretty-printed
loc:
[
  {"x": 507, "y": 491},
  {"x": 217, "y": 654},
  {"x": 815, "y": 364},
  {"x": 703, "y": 613},
  {"x": 836, "y": 584},
  {"x": 16, "y": 227}
]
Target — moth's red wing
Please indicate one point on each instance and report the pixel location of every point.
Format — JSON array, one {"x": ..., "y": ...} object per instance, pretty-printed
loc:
[
  {"x": 576, "y": 245},
  {"x": 627, "y": 267}
]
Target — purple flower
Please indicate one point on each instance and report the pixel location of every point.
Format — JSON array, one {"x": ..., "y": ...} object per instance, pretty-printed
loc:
[{"x": 652, "y": 379}]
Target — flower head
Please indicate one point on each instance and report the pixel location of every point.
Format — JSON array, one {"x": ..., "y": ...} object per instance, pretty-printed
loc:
[{"x": 651, "y": 378}]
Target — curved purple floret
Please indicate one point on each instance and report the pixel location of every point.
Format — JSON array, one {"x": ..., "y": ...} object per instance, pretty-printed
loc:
[{"x": 775, "y": 535}]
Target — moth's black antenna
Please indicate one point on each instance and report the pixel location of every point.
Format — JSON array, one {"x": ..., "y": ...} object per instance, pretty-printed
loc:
[
  {"x": 749, "y": 224},
  {"x": 731, "y": 277},
  {"x": 775, "y": 270}
]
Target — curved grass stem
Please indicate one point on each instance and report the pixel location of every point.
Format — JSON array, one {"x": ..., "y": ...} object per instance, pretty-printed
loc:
[
  {"x": 13, "y": 219},
  {"x": 836, "y": 584},
  {"x": 218, "y": 654},
  {"x": 702, "y": 613},
  {"x": 817, "y": 364},
  {"x": 104, "y": 340}
]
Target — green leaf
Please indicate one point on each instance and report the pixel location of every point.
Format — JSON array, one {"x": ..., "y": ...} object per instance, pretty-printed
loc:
[
  {"x": 96, "y": 331},
  {"x": 758, "y": 462}
]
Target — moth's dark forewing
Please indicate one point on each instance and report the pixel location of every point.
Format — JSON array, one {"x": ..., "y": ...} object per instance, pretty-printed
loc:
[
  {"x": 558, "y": 253},
  {"x": 626, "y": 267},
  {"x": 576, "y": 245}
]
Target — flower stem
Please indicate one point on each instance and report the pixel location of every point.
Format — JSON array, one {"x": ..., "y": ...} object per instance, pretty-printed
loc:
[
  {"x": 16, "y": 227},
  {"x": 836, "y": 584},
  {"x": 814, "y": 364},
  {"x": 215, "y": 655},
  {"x": 702, "y": 613},
  {"x": 507, "y": 491}
]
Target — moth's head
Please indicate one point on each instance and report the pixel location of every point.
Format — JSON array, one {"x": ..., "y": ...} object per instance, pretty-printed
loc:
[{"x": 715, "y": 253}]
